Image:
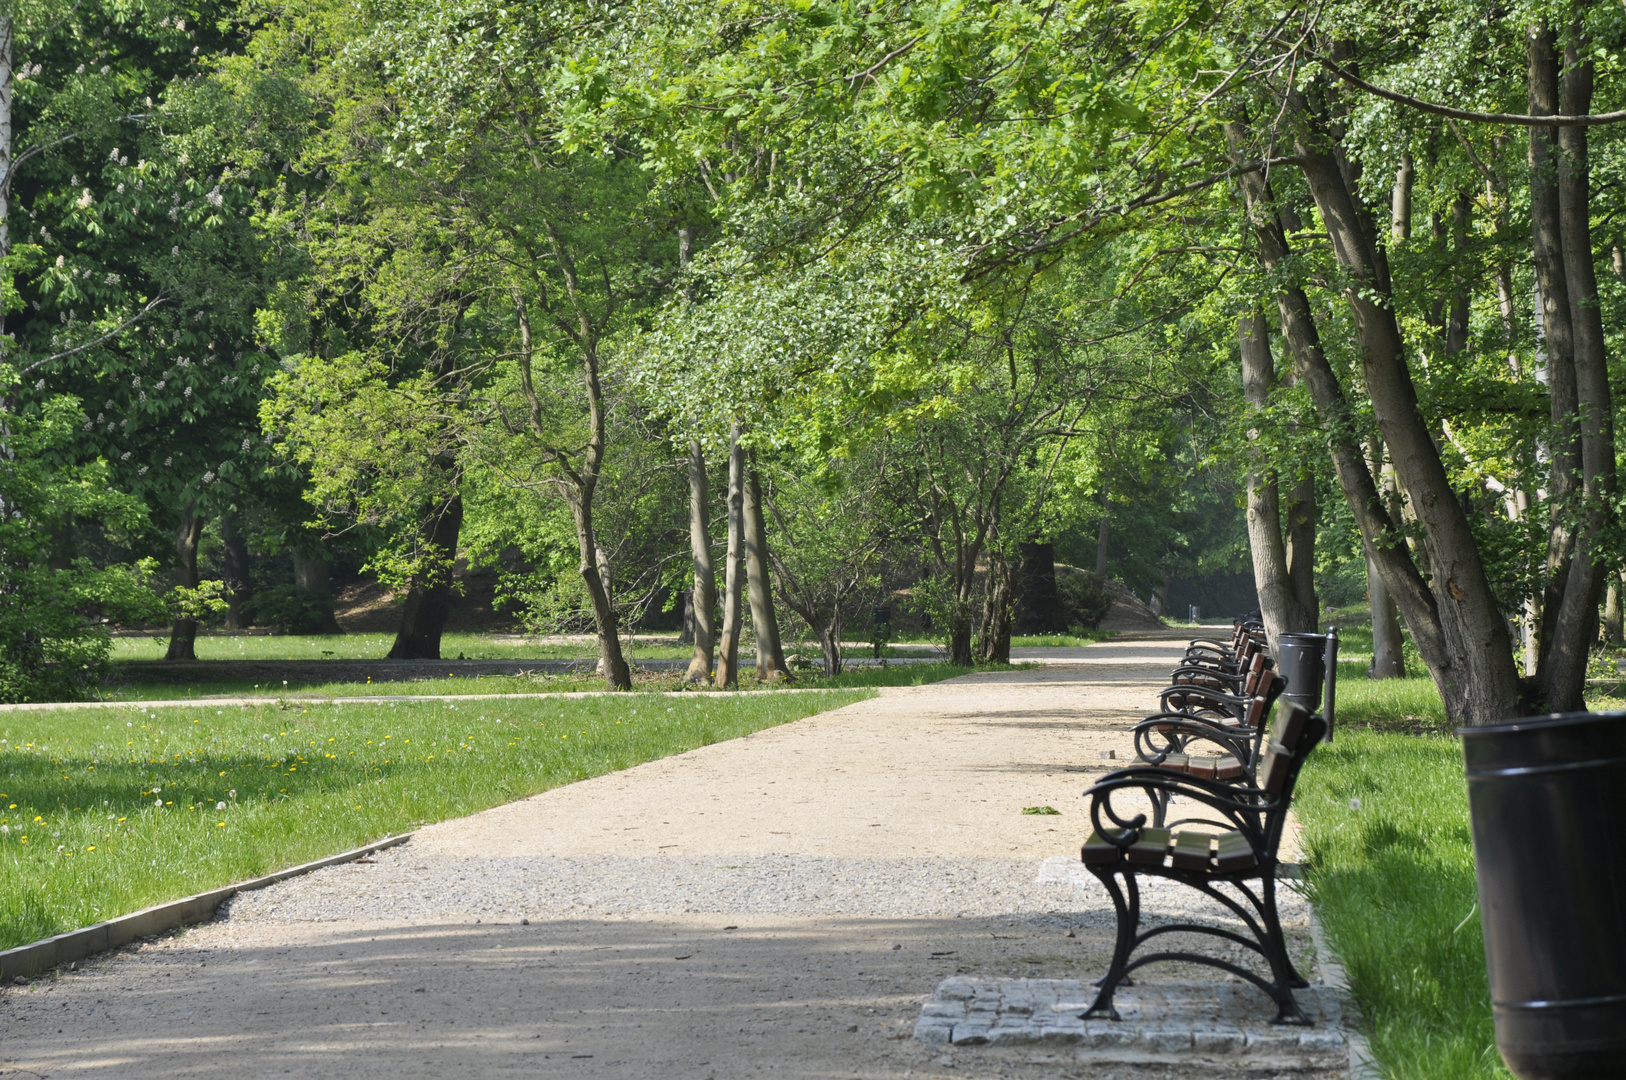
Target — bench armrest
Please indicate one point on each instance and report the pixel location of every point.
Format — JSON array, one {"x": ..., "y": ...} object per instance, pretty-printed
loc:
[
  {"x": 1238, "y": 742},
  {"x": 1243, "y": 808}
]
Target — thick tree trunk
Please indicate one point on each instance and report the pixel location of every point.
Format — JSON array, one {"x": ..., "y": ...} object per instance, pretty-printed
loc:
[
  {"x": 429, "y": 599},
  {"x": 183, "y": 635},
  {"x": 770, "y": 654},
  {"x": 830, "y": 646},
  {"x": 1573, "y": 626},
  {"x": 311, "y": 576},
  {"x": 995, "y": 643},
  {"x": 1477, "y": 681},
  {"x": 1036, "y": 602},
  {"x": 1300, "y": 547},
  {"x": 703, "y": 598},
  {"x": 728, "y": 651},
  {"x": 1278, "y": 601},
  {"x": 239, "y": 591},
  {"x": 959, "y": 642}
]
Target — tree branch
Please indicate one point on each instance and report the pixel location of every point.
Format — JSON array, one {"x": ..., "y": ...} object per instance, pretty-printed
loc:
[
  {"x": 1585, "y": 120},
  {"x": 119, "y": 329}
]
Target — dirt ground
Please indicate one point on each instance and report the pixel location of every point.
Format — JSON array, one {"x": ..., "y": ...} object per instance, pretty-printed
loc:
[{"x": 386, "y": 969}]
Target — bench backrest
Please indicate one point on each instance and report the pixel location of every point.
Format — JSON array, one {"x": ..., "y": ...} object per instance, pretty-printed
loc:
[{"x": 1294, "y": 734}]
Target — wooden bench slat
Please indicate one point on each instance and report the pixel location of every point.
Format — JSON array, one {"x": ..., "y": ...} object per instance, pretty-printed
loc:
[
  {"x": 1233, "y": 852},
  {"x": 1228, "y": 768},
  {"x": 1098, "y": 851},
  {"x": 1202, "y": 766},
  {"x": 1150, "y": 848},
  {"x": 1274, "y": 768},
  {"x": 1192, "y": 850},
  {"x": 1177, "y": 762}
]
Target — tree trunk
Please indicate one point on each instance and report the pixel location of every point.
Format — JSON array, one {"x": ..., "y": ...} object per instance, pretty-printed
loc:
[
  {"x": 959, "y": 642},
  {"x": 429, "y": 598},
  {"x": 1573, "y": 627},
  {"x": 1101, "y": 536},
  {"x": 728, "y": 652},
  {"x": 995, "y": 643},
  {"x": 1278, "y": 602},
  {"x": 311, "y": 576},
  {"x": 1477, "y": 680},
  {"x": 1036, "y": 602},
  {"x": 830, "y": 646},
  {"x": 7, "y": 88},
  {"x": 1555, "y": 333},
  {"x": 239, "y": 591},
  {"x": 1613, "y": 620},
  {"x": 1388, "y": 656},
  {"x": 770, "y": 654},
  {"x": 1300, "y": 546},
  {"x": 703, "y": 597},
  {"x": 185, "y": 631}
]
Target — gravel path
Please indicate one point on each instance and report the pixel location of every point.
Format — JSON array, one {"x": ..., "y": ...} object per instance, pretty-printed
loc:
[{"x": 778, "y": 904}]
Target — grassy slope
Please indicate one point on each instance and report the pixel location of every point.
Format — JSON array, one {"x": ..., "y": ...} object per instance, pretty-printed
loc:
[{"x": 82, "y": 837}]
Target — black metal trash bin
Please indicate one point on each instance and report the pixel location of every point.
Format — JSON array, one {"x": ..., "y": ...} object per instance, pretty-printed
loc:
[
  {"x": 1548, "y": 800},
  {"x": 1301, "y": 659}
]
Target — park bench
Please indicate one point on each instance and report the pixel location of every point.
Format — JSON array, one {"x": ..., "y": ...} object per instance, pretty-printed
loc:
[
  {"x": 1193, "y": 694},
  {"x": 1235, "y": 846},
  {"x": 1166, "y": 738}
]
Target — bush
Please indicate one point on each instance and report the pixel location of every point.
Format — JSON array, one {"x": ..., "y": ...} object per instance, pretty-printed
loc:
[
  {"x": 1084, "y": 602},
  {"x": 288, "y": 609}
]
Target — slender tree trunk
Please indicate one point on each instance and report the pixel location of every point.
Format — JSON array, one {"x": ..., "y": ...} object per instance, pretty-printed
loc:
[
  {"x": 830, "y": 646},
  {"x": 1388, "y": 655},
  {"x": 429, "y": 598},
  {"x": 1574, "y": 626},
  {"x": 1400, "y": 210},
  {"x": 1613, "y": 621},
  {"x": 7, "y": 87},
  {"x": 1101, "y": 537},
  {"x": 1278, "y": 601},
  {"x": 728, "y": 653},
  {"x": 770, "y": 654},
  {"x": 703, "y": 602},
  {"x": 1557, "y": 337},
  {"x": 239, "y": 591},
  {"x": 1478, "y": 682},
  {"x": 187, "y": 536}
]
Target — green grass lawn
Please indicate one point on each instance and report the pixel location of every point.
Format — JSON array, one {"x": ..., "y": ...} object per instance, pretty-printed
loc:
[
  {"x": 1391, "y": 871},
  {"x": 914, "y": 674},
  {"x": 1390, "y": 866},
  {"x": 109, "y": 810},
  {"x": 377, "y": 646}
]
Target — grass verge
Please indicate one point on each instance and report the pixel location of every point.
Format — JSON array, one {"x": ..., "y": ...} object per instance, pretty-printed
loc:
[
  {"x": 109, "y": 810},
  {"x": 1390, "y": 866}
]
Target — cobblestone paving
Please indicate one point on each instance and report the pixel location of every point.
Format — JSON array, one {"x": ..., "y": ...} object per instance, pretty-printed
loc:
[{"x": 1160, "y": 1022}]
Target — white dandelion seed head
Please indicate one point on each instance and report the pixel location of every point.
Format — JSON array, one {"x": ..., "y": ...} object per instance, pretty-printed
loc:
[
  {"x": 158, "y": 801},
  {"x": 220, "y": 806}
]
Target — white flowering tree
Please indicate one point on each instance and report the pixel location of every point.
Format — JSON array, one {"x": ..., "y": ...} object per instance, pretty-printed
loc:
[{"x": 133, "y": 267}]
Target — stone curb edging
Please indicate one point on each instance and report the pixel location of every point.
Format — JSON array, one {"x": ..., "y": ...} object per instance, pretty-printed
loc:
[
  {"x": 385, "y": 699},
  {"x": 43, "y": 955}
]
